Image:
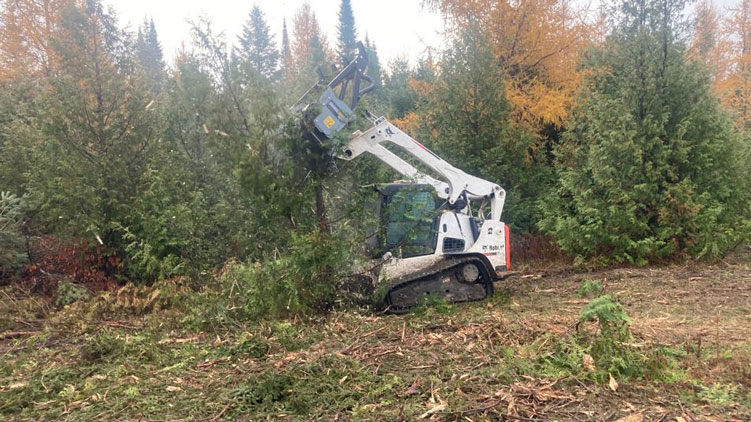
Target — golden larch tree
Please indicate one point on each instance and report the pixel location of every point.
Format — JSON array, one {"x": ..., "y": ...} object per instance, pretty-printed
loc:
[
  {"x": 26, "y": 31},
  {"x": 309, "y": 46},
  {"x": 537, "y": 43},
  {"x": 733, "y": 80},
  {"x": 707, "y": 39}
]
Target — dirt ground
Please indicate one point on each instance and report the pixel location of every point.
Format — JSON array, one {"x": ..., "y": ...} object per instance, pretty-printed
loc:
[
  {"x": 702, "y": 309},
  {"x": 511, "y": 358}
]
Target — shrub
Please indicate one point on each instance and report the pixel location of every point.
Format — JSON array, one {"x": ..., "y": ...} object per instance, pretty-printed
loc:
[
  {"x": 610, "y": 316},
  {"x": 68, "y": 293},
  {"x": 12, "y": 253},
  {"x": 590, "y": 288},
  {"x": 303, "y": 281},
  {"x": 610, "y": 345}
]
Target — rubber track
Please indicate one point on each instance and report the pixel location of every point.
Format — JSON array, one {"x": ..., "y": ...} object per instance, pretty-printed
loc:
[{"x": 437, "y": 270}]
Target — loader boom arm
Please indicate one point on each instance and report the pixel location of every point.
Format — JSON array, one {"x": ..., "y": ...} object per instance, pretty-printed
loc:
[{"x": 456, "y": 185}]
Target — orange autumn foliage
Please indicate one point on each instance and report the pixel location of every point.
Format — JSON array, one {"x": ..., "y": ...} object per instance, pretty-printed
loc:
[
  {"x": 707, "y": 45},
  {"x": 538, "y": 44},
  {"x": 305, "y": 28},
  {"x": 26, "y": 32},
  {"x": 411, "y": 121},
  {"x": 732, "y": 58}
]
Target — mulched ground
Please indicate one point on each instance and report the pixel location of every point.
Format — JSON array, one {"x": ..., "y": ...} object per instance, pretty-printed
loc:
[{"x": 449, "y": 366}]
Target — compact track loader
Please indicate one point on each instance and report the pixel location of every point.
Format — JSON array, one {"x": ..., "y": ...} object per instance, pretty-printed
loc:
[{"x": 439, "y": 237}]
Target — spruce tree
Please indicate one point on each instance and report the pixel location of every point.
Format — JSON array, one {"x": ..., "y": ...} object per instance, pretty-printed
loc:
[
  {"x": 257, "y": 47},
  {"x": 400, "y": 98},
  {"x": 149, "y": 53},
  {"x": 346, "y": 32},
  {"x": 649, "y": 166}
]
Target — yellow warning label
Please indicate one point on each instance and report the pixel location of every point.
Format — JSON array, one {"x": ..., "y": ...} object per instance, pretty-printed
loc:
[{"x": 328, "y": 121}]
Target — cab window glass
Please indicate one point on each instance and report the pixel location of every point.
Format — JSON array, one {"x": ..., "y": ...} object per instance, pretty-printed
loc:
[{"x": 410, "y": 222}]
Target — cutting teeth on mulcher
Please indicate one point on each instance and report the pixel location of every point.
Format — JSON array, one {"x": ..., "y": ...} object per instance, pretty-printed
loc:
[{"x": 463, "y": 280}]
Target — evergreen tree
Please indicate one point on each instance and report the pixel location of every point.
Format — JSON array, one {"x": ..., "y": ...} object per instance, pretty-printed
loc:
[
  {"x": 317, "y": 52},
  {"x": 309, "y": 48},
  {"x": 286, "y": 52},
  {"x": 650, "y": 164},
  {"x": 149, "y": 53},
  {"x": 374, "y": 64},
  {"x": 346, "y": 33},
  {"x": 100, "y": 130},
  {"x": 467, "y": 117},
  {"x": 257, "y": 47},
  {"x": 401, "y": 99}
]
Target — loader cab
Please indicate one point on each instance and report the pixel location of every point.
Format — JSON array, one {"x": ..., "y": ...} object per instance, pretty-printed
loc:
[{"x": 408, "y": 217}]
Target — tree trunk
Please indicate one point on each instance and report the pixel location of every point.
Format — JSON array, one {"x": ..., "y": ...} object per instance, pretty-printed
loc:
[{"x": 321, "y": 209}]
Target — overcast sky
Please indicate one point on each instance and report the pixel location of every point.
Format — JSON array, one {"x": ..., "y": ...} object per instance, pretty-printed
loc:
[{"x": 398, "y": 27}]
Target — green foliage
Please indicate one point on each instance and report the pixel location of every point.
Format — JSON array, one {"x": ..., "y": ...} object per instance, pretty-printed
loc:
[
  {"x": 149, "y": 54},
  {"x": 12, "y": 245},
  {"x": 303, "y": 281},
  {"x": 430, "y": 305},
  {"x": 467, "y": 119},
  {"x": 346, "y": 32},
  {"x": 608, "y": 350},
  {"x": 374, "y": 67},
  {"x": 719, "y": 394},
  {"x": 94, "y": 134},
  {"x": 400, "y": 98},
  {"x": 608, "y": 346},
  {"x": 257, "y": 48},
  {"x": 102, "y": 346},
  {"x": 650, "y": 166},
  {"x": 254, "y": 347},
  {"x": 264, "y": 391},
  {"x": 590, "y": 288},
  {"x": 609, "y": 315},
  {"x": 294, "y": 337},
  {"x": 68, "y": 293},
  {"x": 304, "y": 387}
]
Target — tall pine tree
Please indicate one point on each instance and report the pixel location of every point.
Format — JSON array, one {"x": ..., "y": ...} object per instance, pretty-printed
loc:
[
  {"x": 257, "y": 47},
  {"x": 650, "y": 165},
  {"x": 346, "y": 32}
]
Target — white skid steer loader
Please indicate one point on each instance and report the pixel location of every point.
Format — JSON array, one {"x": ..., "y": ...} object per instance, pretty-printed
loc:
[{"x": 436, "y": 237}]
